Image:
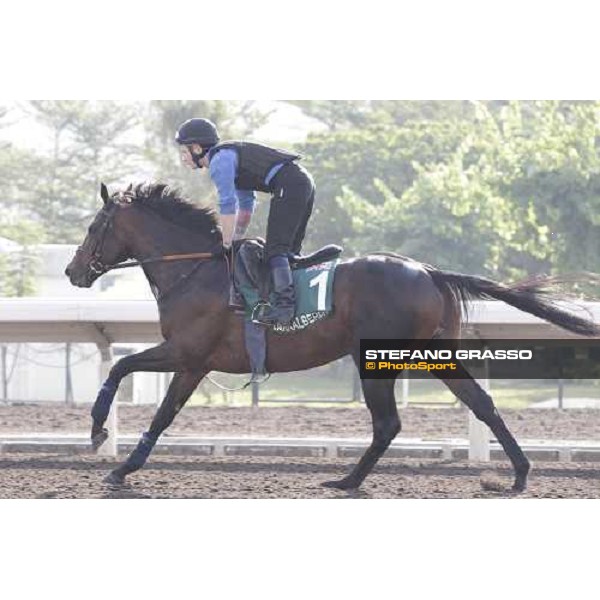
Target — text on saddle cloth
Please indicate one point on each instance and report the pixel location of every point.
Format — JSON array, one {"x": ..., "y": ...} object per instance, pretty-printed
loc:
[{"x": 313, "y": 283}]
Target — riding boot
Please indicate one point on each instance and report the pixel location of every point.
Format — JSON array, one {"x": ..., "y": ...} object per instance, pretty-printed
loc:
[{"x": 282, "y": 308}]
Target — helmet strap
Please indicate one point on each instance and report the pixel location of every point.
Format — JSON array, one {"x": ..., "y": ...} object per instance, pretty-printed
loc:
[{"x": 197, "y": 157}]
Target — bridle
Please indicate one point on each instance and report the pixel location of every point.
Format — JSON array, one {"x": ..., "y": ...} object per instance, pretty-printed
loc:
[
  {"x": 99, "y": 268},
  {"x": 96, "y": 265}
]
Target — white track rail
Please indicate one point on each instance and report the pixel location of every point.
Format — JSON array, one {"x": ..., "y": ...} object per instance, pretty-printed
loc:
[{"x": 444, "y": 449}]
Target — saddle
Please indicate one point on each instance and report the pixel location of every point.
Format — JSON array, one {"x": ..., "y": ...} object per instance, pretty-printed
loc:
[
  {"x": 251, "y": 273},
  {"x": 251, "y": 269}
]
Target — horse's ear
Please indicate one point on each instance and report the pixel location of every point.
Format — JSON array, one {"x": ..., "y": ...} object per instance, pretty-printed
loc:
[
  {"x": 129, "y": 188},
  {"x": 104, "y": 193}
]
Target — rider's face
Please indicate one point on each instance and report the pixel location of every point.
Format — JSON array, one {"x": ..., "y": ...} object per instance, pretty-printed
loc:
[{"x": 186, "y": 156}]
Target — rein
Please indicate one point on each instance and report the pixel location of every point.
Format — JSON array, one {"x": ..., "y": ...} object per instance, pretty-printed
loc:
[{"x": 165, "y": 258}]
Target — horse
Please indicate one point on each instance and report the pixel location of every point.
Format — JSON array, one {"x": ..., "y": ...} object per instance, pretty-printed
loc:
[{"x": 377, "y": 296}]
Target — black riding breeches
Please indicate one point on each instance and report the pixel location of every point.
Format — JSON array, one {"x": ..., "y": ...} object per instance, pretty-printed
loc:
[{"x": 291, "y": 206}]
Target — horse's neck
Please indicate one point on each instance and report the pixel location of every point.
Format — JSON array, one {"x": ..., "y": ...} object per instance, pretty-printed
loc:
[{"x": 162, "y": 238}]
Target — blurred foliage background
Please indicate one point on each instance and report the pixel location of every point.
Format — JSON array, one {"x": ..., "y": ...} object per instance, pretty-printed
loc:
[{"x": 504, "y": 189}]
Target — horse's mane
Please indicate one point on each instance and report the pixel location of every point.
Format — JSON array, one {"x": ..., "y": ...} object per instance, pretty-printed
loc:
[{"x": 169, "y": 203}]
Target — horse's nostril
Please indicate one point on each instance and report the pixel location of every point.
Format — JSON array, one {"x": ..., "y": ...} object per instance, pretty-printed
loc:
[{"x": 68, "y": 272}]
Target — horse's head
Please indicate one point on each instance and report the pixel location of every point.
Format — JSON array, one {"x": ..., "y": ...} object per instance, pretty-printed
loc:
[
  {"x": 152, "y": 212},
  {"x": 103, "y": 245}
]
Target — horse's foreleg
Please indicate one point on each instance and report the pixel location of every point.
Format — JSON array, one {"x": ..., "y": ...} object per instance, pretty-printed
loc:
[
  {"x": 482, "y": 405},
  {"x": 158, "y": 359},
  {"x": 379, "y": 397},
  {"x": 180, "y": 389}
]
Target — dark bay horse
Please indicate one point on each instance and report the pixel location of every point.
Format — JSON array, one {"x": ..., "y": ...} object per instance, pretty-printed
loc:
[{"x": 377, "y": 296}]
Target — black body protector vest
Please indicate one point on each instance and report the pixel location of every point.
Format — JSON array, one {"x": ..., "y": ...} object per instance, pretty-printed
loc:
[{"x": 254, "y": 163}]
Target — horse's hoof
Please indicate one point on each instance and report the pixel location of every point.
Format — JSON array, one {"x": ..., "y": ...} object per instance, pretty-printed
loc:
[
  {"x": 519, "y": 486},
  {"x": 342, "y": 484},
  {"x": 114, "y": 478},
  {"x": 99, "y": 439}
]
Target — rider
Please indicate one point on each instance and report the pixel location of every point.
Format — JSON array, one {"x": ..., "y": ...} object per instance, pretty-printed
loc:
[{"x": 238, "y": 169}]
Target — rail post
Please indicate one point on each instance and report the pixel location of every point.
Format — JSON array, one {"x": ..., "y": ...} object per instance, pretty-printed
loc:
[{"x": 561, "y": 393}]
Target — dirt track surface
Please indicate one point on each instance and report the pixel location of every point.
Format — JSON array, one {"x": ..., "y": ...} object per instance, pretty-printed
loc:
[
  {"x": 298, "y": 421},
  {"x": 80, "y": 476},
  {"x": 47, "y": 476}
]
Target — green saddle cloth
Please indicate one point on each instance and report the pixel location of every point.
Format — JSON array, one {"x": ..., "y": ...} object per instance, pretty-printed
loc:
[{"x": 314, "y": 296}]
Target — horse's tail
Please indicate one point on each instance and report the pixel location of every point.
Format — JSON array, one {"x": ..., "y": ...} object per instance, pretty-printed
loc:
[{"x": 531, "y": 296}]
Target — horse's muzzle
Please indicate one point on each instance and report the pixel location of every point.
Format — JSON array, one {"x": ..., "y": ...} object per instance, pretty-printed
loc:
[{"x": 83, "y": 280}]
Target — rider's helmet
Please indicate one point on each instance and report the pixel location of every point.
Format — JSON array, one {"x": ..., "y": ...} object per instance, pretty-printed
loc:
[{"x": 198, "y": 131}]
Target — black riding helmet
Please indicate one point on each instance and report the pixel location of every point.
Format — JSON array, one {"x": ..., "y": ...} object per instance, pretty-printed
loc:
[{"x": 198, "y": 131}]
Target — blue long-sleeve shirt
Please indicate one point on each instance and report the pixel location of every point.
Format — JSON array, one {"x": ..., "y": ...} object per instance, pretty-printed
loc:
[{"x": 223, "y": 168}]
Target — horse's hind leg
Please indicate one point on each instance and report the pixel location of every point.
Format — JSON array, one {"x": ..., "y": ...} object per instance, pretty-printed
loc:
[
  {"x": 482, "y": 405},
  {"x": 181, "y": 388},
  {"x": 379, "y": 397}
]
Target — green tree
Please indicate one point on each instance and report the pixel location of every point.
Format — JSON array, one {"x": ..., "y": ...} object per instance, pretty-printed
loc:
[
  {"x": 18, "y": 267},
  {"x": 89, "y": 144},
  {"x": 558, "y": 177},
  {"x": 500, "y": 188},
  {"x": 335, "y": 114},
  {"x": 357, "y": 161}
]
